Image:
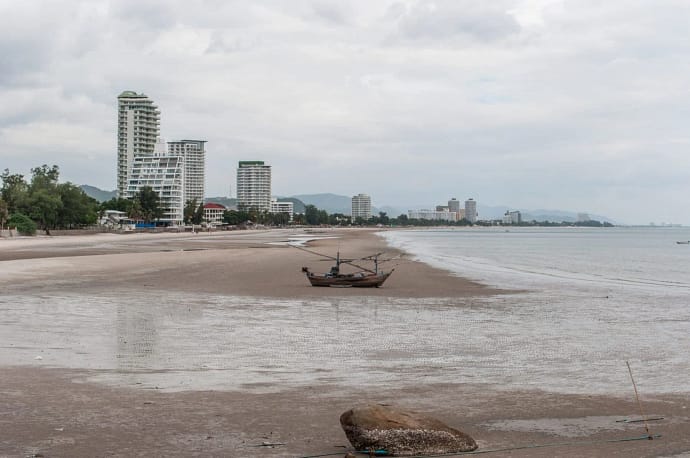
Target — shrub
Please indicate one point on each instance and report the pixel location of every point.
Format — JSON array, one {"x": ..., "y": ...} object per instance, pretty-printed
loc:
[{"x": 23, "y": 223}]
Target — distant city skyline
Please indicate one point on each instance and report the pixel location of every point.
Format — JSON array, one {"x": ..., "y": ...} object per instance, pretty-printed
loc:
[{"x": 577, "y": 106}]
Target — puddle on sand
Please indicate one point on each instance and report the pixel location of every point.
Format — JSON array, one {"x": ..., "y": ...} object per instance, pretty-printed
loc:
[
  {"x": 565, "y": 427},
  {"x": 175, "y": 342}
]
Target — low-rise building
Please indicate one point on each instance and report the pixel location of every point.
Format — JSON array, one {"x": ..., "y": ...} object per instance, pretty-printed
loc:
[
  {"x": 432, "y": 215},
  {"x": 213, "y": 213},
  {"x": 513, "y": 217},
  {"x": 282, "y": 207}
]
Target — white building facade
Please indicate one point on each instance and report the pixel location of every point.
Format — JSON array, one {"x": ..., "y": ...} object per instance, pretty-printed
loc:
[
  {"x": 432, "y": 215},
  {"x": 253, "y": 186},
  {"x": 282, "y": 207},
  {"x": 164, "y": 173},
  {"x": 514, "y": 217},
  {"x": 194, "y": 154},
  {"x": 213, "y": 213},
  {"x": 361, "y": 206},
  {"x": 138, "y": 123}
]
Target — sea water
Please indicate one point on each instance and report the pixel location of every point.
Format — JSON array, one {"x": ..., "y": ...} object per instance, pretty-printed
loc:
[
  {"x": 585, "y": 301},
  {"x": 593, "y": 298}
]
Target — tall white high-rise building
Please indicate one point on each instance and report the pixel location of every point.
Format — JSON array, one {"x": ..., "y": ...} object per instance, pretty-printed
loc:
[
  {"x": 253, "y": 186},
  {"x": 138, "y": 123},
  {"x": 194, "y": 156},
  {"x": 361, "y": 206},
  {"x": 471, "y": 210}
]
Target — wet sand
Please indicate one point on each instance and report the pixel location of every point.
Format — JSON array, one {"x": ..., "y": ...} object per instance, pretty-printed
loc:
[{"x": 74, "y": 383}]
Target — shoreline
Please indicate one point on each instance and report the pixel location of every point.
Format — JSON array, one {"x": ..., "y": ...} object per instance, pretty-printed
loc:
[
  {"x": 121, "y": 334},
  {"x": 235, "y": 264}
]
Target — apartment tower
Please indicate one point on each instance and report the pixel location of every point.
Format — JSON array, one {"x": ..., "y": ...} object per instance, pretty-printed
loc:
[
  {"x": 194, "y": 155},
  {"x": 471, "y": 210},
  {"x": 253, "y": 186},
  {"x": 138, "y": 123},
  {"x": 361, "y": 206}
]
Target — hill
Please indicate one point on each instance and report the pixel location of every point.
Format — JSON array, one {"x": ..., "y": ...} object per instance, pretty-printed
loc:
[
  {"x": 332, "y": 203},
  {"x": 231, "y": 202},
  {"x": 98, "y": 194},
  {"x": 228, "y": 202}
]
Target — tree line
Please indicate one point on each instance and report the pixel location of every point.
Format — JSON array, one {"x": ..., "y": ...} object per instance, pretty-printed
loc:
[{"x": 44, "y": 203}]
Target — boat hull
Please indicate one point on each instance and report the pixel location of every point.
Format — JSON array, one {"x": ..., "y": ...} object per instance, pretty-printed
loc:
[{"x": 347, "y": 281}]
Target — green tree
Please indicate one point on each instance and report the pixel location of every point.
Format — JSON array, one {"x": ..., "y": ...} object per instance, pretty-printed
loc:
[
  {"x": 44, "y": 177},
  {"x": 311, "y": 215},
  {"x": 384, "y": 219},
  {"x": 189, "y": 211},
  {"x": 235, "y": 217},
  {"x": 299, "y": 219},
  {"x": 117, "y": 203},
  {"x": 78, "y": 209},
  {"x": 14, "y": 191},
  {"x": 198, "y": 214},
  {"x": 4, "y": 214},
  {"x": 149, "y": 204},
  {"x": 22, "y": 223},
  {"x": 44, "y": 208}
]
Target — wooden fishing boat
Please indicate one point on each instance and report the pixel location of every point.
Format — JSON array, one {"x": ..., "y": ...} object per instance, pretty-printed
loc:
[
  {"x": 356, "y": 280},
  {"x": 364, "y": 278}
]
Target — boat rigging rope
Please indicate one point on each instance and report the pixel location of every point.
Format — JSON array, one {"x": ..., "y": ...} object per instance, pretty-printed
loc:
[{"x": 506, "y": 449}]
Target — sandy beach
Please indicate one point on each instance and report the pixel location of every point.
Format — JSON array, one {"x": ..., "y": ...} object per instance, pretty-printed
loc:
[{"x": 214, "y": 344}]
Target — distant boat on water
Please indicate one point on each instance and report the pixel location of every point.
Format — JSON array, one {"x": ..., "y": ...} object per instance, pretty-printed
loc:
[{"x": 683, "y": 242}]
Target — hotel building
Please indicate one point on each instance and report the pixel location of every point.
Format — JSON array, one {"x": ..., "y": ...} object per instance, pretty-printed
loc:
[
  {"x": 194, "y": 156},
  {"x": 164, "y": 173},
  {"x": 471, "y": 210},
  {"x": 175, "y": 172},
  {"x": 213, "y": 213},
  {"x": 253, "y": 186},
  {"x": 138, "y": 124},
  {"x": 361, "y": 206}
]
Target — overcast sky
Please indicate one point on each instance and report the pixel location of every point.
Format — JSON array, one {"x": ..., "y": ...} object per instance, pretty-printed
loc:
[{"x": 576, "y": 105}]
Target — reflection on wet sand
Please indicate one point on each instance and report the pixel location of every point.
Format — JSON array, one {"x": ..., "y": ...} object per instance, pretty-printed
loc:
[{"x": 167, "y": 340}]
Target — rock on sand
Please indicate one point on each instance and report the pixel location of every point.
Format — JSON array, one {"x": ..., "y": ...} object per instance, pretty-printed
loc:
[{"x": 401, "y": 433}]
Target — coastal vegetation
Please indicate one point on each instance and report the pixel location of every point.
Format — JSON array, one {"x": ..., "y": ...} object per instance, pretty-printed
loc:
[{"x": 44, "y": 203}]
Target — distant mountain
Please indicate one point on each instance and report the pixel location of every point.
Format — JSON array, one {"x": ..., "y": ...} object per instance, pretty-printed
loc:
[
  {"x": 98, "y": 194},
  {"x": 332, "y": 203},
  {"x": 557, "y": 216},
  {"x": 231, "y": 202},
  {"x": 228, "y": 202}
]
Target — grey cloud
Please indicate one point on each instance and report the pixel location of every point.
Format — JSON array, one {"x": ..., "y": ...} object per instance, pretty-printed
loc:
[
  {"x": 152, "y": 14},
  {"x": 331, "y": 12},
  {"x": 22, "y": 60},
  {"x": 442, "y": 20}
]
